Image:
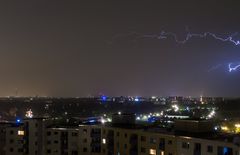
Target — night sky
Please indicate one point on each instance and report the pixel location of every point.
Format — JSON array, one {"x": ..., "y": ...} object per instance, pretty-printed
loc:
[{"x": 79, "y": 48}]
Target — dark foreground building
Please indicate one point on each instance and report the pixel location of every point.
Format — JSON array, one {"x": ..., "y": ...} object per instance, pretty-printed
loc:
[{"x": 37, "y": 136}]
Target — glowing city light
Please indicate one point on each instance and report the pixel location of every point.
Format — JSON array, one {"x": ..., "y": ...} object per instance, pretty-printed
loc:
[
  {"x": 104, "y": 141},
  {"x": 224, "y": 128},
  {"x": 29, "y": 114},
  {"x": 145, "y": 117},
  {"x": 92, "y": 121},
  {"x": 154, "y": 97},
  {"x": 175, "y": 107},
  {"x": 104, "y": 98},
  {"x": 103, "y": 121},
  {"x": 237, "y": 125},
  {"x": 18, "y": 121},
  {"x": 20, "y": 133},
  {"x": 211, "y": 114},
  {"x": 136, "y": 99}
]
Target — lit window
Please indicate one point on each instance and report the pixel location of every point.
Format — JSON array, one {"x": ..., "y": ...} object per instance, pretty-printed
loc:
[
  {"x": 104, "y": 141},
  {"x": 152, "y": 152},
  {"x": 20, "y": 133}
]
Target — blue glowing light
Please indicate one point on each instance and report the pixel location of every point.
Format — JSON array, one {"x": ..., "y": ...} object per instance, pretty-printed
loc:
[
  {"x": 18, "y": 120},
  {"x": 104, "y": 98},
  {"x": 152, "y": 119},
  {"x": 92, "y": 121},
  {"x": 136, "y": 100}
]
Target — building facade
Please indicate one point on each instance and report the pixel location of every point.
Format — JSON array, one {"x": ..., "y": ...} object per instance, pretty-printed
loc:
[
  {"x": 33, "y": 137},
  {"x": 134, "y": 141},
  {"x": 61, "y": 141}
]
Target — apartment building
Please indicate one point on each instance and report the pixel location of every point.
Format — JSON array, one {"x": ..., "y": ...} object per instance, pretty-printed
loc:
[
  {"x": 14, "y": 141},
  {"x": 118, "y": 138},
  {"x": 90, "y": 139},
  {"x": 135, "y": 141},
  {"x": 199, "y": 146},
  {"x": 61, "y": 141},
  {"x": 34, "y": 136},
  {"x": 130, "y": 139},
  {"x": 23, "y": 137}
]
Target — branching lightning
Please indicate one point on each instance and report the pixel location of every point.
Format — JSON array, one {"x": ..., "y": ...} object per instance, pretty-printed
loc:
[
  {"x": 233, "y": 68},
  {"x": 165, "y": 35}
]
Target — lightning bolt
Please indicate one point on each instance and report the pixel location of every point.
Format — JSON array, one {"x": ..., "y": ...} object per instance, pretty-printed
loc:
[
  {"x": 165, "y": 35},
  {"x": 233, "y": 68},
  {"x": 214, "y": 67},
  {"x": 189, "y": 35}
]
